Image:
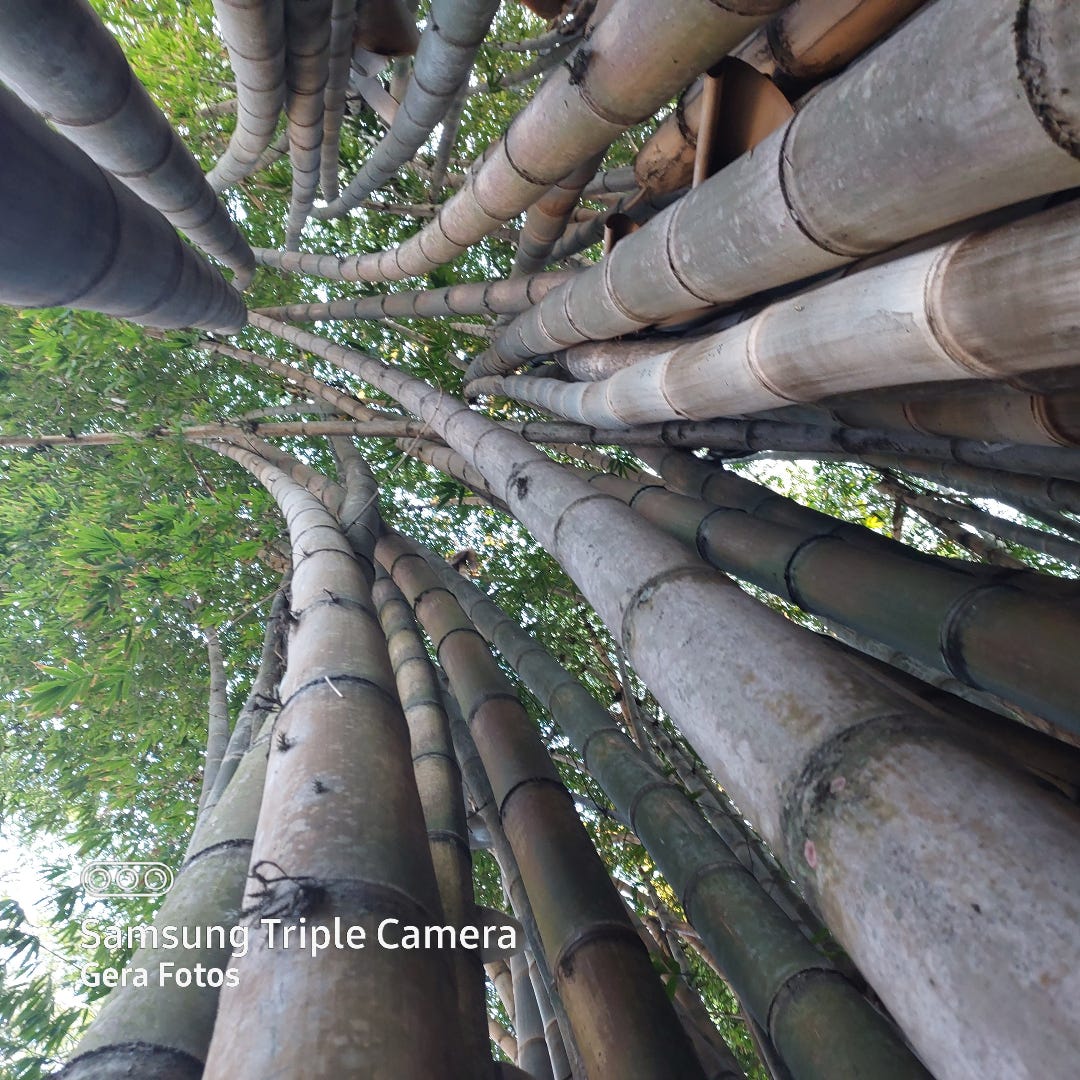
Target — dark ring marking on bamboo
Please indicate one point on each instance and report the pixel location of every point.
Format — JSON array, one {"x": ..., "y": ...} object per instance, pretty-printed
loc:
[
  {"x": 213, "y": 849},
  {"x": 446, "y": 836},
  {"x": 337, "y": 601},
  {"x": 600, "y": 930},
  {"x": 174, "y": 1063},
  {"x": 435, "y": 754},
  {"x": 348, "y": 553},
  {"x": 801, "y": 548},
  {"x": 949, "y": 644},
  {"x": 327, "y": 683},
  {"x": 727, "y": 865},
  {"x": 494, "y": 695},
  {"x": 639, "y": 795},
  {"x": 788, "y": 988},
  {"x": 1032, "y": 70},
  {"x": 457, "y": 630},
  {"x": 641, "y": 491},
  {"x": 529, "y": 781},
  {"x": 606, "y": 730},
  {"x": 644, "y": 592},
  {"x": 789, "y": 201}
]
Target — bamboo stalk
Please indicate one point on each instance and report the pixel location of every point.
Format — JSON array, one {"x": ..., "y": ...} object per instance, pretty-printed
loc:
[
  {"x": 62, "y": 59},
  {"x": 532, "y": 1052},
  {"x": 307, "y": 69},
  {"x": 498, "y": 297},
  {"x": 581, "y": 920},
  {"x": 831, "y": 185},
  {"x": 59, "y": 243},
  {"x": 217, "y": 737},
  {"x": 953, "y": 312},
  {"x": 760, "y": 948},
  {"x": 575, "y": 113},
  {"x": 342, "y": 22},
  {"x": 503, "y": 1039},
  {"x": 443, "y": 61},
  {"x": 254, "y": 35},
  {"x": 340, "y": 812},
  {"x": 668, "y": 611},
  {"x": 439, "y": 782}
]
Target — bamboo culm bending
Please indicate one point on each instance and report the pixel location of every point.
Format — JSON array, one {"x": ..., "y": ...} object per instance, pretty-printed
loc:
[
  {"x": 952, "y": 311},
  {"x": 579, "y": 110},
  {"x": 668, "y": 609},
  {"x": 61, "y": 247},
  {"x": 63, "y": 60},
  {"x": 831, "y": 185}
]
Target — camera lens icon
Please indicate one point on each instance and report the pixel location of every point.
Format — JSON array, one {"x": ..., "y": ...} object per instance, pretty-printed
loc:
[{"x": 112, "y": 879}]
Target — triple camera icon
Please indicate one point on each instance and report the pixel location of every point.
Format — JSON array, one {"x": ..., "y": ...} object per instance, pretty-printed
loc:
[{"x": 116, "y": 879}]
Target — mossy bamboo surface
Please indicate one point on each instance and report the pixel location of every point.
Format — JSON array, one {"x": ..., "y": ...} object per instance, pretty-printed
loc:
[
  {"x": 766, "y": 958},
  {"x": 593, "y": 949},
  {"x": 798, "y": 716},
  {"x": 63, "y": 60},
  {"x": 340, "y": 832},
  {"x": 63, "y": 215},
  {"x": 833, "y": 184}
]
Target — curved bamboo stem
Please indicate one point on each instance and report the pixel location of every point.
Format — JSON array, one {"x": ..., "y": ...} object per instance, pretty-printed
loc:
[
  {"x": 783, "y": 214},
  {"x": 950, "y": 312},
  {"x": 575, "y": 113},
  {"x": 342, "y": 21},
  {"x": 62, "y": 217},
  {"x": 66, "y": 63},
  {"x": 443, "y": 61}
]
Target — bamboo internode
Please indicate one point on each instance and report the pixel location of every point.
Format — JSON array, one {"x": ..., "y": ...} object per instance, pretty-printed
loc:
[{"x": 834, "y": 183}]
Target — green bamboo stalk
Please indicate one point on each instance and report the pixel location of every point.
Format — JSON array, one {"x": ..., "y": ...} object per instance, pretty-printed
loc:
[
  {"x": 438, "y": 780},
  {"x": 162, "y": 1029},
  {"x": 581, "y": 919},
  {"x": 218, "y": 731},
  {"x": 782, "y": 979},
  {"x": 532, "y": 1049},
  {"x": 340, "y": 833}
]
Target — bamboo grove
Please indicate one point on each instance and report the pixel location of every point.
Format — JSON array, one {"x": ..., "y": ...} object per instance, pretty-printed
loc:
[{"x": 434, "y": 377}]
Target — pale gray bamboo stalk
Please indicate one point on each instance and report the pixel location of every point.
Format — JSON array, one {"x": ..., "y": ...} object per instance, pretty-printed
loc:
[
  {"x": 254, "y": 35},
  {"x": 1035, "y": 539},
  {"x": 62, "y": 59},
  {"x": 502, "y": 1038},
  {"x": 956, "y": 311},
  {"x": 831, "y": 185},
  {"x": 342, "y": 20},
  {"x": 784, "y": 764},
  {"x": 217, "y": 738},
  {"x": 548, "y": 217},
  {"x": 579, "y": 110},
  {"x": 498, "y": 972},
  {"x": 510, "y": 80},
  {"x": 553, "y": 1038},
  {"x": 307, "y": 68},
  {"x": 451, "y": 123},
  {"x": 73, "y": 235},
  {"x": 496, "y": 297},
  {"x": 617, "y": 181},
  {"x": 443, "y": 61}
]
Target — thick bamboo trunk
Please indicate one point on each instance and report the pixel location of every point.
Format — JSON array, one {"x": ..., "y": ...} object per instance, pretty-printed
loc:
[
  {"x": 62, "y": 217},
  {"x": 574, "y": 114},
  {"x": 307, "y": 69},
  {"x": 163, "y": 1030},
  {"x": 593, "y": 948},
  {"x": 498, "y": 297},
  {"x": 970, "y": 119},
  {"x": 438, "y": 780},
  {"x": 993, "y": 304},
  {"x": 62, "y": 60},
  {"x": 254, "y": 34},
  {"x": 340, "y": 833},
  {"x": 798, "y": 718},
  {"x": 443, "y": 61},
  {"x": 764, "y": 955}
]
